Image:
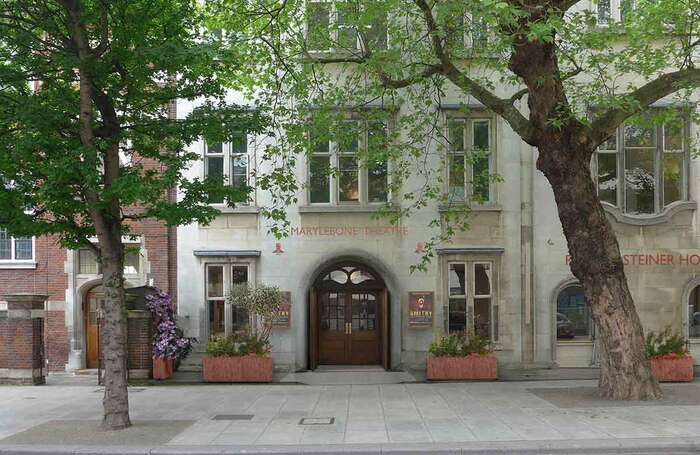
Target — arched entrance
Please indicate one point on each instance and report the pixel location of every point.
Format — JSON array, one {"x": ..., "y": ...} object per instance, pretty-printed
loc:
[
  {"x": 348, "y": 317},
  {"x": 92, "y": 302}
]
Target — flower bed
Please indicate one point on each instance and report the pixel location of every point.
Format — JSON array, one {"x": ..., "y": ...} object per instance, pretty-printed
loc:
[
  {"x": 472, "y": 367},
  {"x": 248, "y": 368},
  {"x": 457, "y": 357},
  {"x": 672, "y": 368}
]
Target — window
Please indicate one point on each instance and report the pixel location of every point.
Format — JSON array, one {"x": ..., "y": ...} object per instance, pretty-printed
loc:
[
  {"x": 229, "y": 162},
  {"x": 334, "y": 25},
  {"x": 603, "y": 12},
  {"x": 15, "y": 248},
  {"x": 361, "y": 166},
  {"x": 694, "y": 313},
  {"x": 643, "y": 169},
  {"x": 470, "y": 293},
  {"x": 470, "y": 160},
  {"x": 573, "y": 314},
  {"x": 220, "y": 278},
  {"x": 89, "y": 265}
]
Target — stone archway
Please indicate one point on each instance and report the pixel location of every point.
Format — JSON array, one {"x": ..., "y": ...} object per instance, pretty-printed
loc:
[{"x": 348, "y": 316}]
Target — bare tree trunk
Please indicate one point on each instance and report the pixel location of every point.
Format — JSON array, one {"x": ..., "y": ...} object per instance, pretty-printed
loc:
[
  {"x": 596, "y": 261},
  {"x": 113, "y": 335}
]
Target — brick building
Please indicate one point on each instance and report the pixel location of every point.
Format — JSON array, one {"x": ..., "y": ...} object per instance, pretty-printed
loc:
[{"x": 72, "y": 280}]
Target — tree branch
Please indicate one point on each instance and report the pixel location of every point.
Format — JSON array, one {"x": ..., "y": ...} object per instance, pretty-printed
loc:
[{"x": 606, "y": 123}]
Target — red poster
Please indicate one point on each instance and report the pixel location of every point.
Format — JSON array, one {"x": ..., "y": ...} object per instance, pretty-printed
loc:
[{"x": 420, "y": 308}]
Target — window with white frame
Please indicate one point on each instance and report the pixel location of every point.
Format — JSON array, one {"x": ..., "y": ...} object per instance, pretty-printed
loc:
[
  {"x": 230, "y": 163},
  {"x": 361, "y": 167},
  {"x": 470, "y": 290},
  {"x": 346, "y": 26},
  {"x": 642, "y": 169},
  {"x": 15, "y": 248},
  {"x": 220, "y": 278},
  {"x": 89, "y": 265},
  {"x": 470, "y": 160}
]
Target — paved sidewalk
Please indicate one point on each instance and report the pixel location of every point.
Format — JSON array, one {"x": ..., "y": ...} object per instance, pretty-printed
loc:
[{"x": 447, "y": 417}]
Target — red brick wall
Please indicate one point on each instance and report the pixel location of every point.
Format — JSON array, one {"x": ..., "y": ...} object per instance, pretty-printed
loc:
[
  {"x": 47, "y": 278},
  {"x": 20, "y": 343},
  {"x": 57, "y": 343}
]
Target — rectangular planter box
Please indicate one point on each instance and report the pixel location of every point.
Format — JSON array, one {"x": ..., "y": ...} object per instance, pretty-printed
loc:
[
  {"x": 473, "y": 367},
  {"x": 162, "y": 368},
  {"x": 249, "y": 368},
  {"x": 672, "y": 368}
]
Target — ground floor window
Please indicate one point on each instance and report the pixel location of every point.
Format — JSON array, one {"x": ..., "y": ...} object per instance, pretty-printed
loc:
[
  {"x": 471, "y": 299},
  {"x": 220, "y": 278},
  {"x": 694, "y": 313},
  {"x": 573, "y": 314}
]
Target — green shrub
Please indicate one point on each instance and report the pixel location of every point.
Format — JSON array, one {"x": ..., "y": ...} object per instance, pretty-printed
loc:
[
  {"x": 460, "y": 346},
  {"x": 238, "y": 345},
  {"x": 665, "y": 343}
]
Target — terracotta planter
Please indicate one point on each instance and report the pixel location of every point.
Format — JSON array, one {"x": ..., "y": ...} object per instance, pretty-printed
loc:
[
  {"x": 162, "y": 368},
  {"x": 249, "y": 368},
  {"x": 473, "y": 367},
  {"x": 672, "y": 368}
]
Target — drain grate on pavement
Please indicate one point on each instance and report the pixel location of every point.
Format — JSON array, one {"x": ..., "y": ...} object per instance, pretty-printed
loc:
[
  {"x": 233, "y": 417},
  {"x": 317, "y": 421}
]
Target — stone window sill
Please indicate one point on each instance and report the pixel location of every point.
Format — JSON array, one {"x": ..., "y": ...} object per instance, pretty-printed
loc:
[
  {"x": 489, "y": 207},
  {"x": 662, "y": 217},
  {"x": 18, "y": 265},
  {"x": 367, "y": 208},
  {"x": 581, "y": 342},
  {"x": 238, "y": 209}
]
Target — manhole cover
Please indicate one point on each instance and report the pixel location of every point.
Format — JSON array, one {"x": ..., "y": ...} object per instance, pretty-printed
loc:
[
  {"x": 317, "y": 421},
  {"x": 232, "y": 417}
]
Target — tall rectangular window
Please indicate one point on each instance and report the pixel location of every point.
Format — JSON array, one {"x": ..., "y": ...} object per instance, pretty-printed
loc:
[
  {"x": 673, "y": 161},
  {"x": 603, "y": 12},
  {"x": 5, "y": 245},
  {"x": 318, "y": 21},
  {"x": 348, "y": 167},
  {"x": 240, "y": 317},
  {"x": 239, "y": 165},
  {"x": 347, "y": 30},
  {"x": 214, "y": 166},
  {"x": 377, "y": 166},
  {"x": 215, "y": 299},
  {"x": 470, "y": 167},
  {"x": 607, "y": 171},
  {"x": 320, "y": 172},
  {"x": 470, "y": 293}
]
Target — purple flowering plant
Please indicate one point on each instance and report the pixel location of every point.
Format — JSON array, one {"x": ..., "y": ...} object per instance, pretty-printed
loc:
[{"x": 169, "y": 341}]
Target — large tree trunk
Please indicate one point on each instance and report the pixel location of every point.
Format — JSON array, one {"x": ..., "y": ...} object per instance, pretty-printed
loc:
[
  {"x": 596, "y": 261},
  {"x": 113, "y": 334}
]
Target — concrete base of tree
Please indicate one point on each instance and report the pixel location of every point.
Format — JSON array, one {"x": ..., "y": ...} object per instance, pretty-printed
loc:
[
  {"x": 472, "y": 367},
  {"x": 249, "y": 368},
  {"x": 672, "y": 368}
]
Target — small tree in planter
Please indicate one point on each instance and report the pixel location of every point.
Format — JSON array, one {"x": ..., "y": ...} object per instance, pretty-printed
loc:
[
  {"x": 670, "y": 359},
  {"x": 169, "y": 343},
  {"x": 245, "y": 357},
  {"x": 456, "y": 357}
]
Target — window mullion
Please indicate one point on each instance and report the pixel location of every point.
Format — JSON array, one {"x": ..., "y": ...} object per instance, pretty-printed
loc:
[{"x": 468, "y": 162}]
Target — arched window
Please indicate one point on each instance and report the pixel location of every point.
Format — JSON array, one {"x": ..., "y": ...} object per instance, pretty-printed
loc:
[
  {"x": 694, "y": 313},
  {"x": 573, "y": 315}
]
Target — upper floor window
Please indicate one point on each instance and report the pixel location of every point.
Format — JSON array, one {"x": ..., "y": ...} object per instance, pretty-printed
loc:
[
  {"x": 470, "y": 160},
  {"x": 345, "y": 26},
  {"x": 15, "y": 248},
  {"x": 574, "y": 319},
  {"x": 643, "y": 169},
  {"x": 471, "y": 299},
  {"x": 352, "y": 170},
  {"x": 89, "y": 265},
  {"x": 603, "y": 12},
  {"x": 229, "y": 162}
]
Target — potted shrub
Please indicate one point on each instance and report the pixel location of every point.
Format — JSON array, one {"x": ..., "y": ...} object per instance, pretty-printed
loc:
[
  {"x": 669, "y": 356},
  {"x": 456, "y": 357},
  {"x": 245, "y": 356},
  {"x": 169, "y": 343}
]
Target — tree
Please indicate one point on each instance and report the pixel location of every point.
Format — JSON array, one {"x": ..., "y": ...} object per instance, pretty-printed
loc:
[
  {"x": 563, "y": 78},
  {"x": 88, "y": 145}
]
